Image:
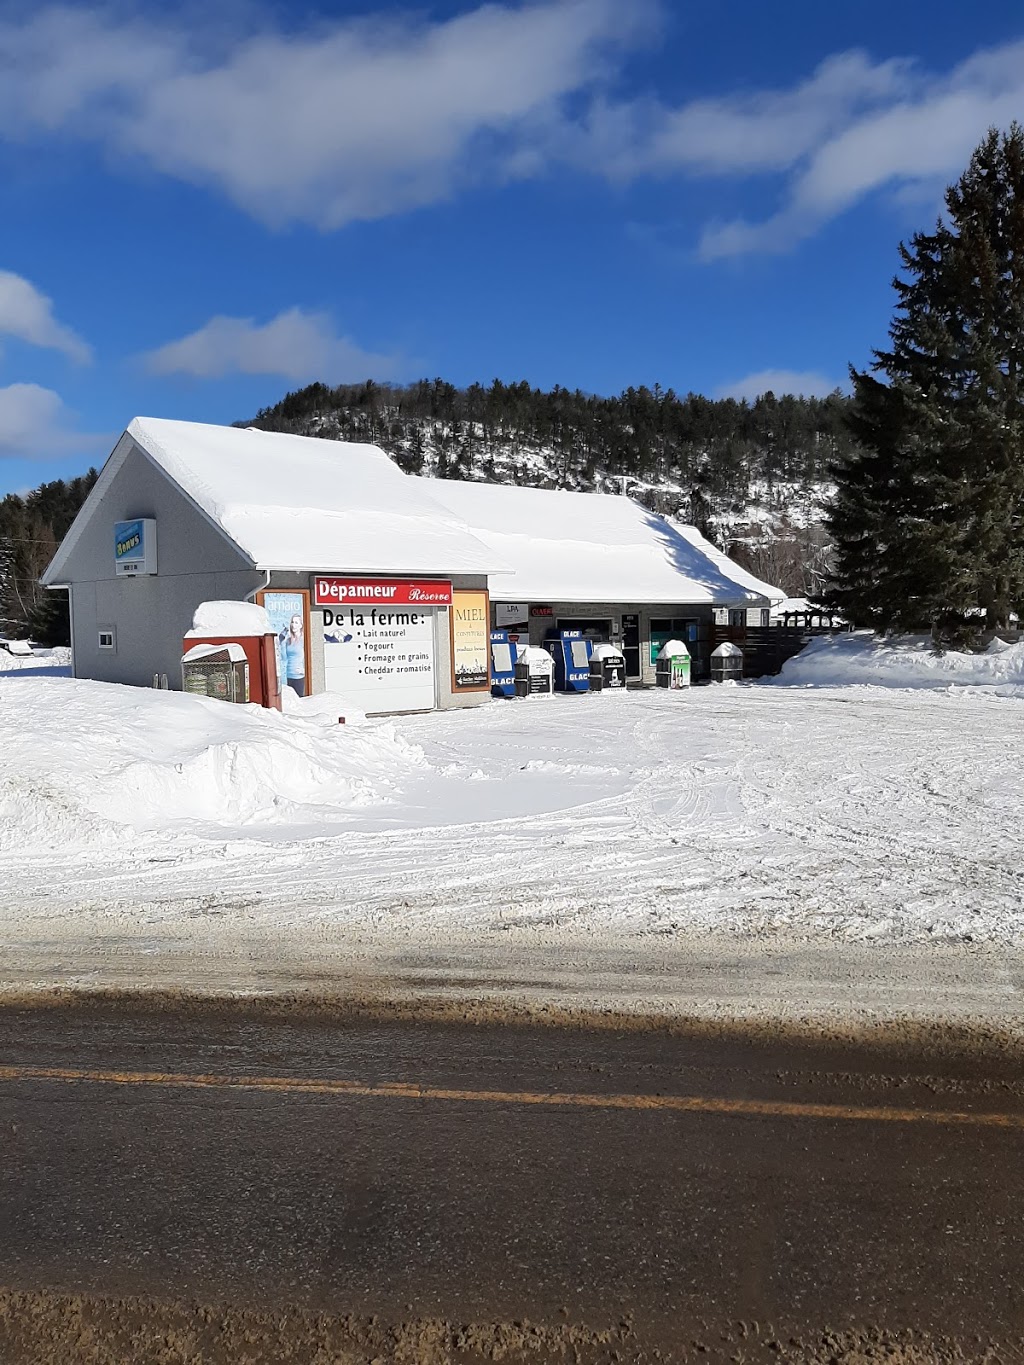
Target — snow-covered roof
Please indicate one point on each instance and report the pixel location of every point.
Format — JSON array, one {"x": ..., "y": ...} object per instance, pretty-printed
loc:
[
  {"x": 594, "y": 547},
  {"x": 303, "y": 503},
  {"x": 729, "y": 567}
]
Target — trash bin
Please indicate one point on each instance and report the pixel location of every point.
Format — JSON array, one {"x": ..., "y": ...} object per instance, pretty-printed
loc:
[
  {"x": 607, "y": 669},
  {"x": 726, "y": 663},
  {"x": 672, "y": 667},
  {"x": 535, "y": 672},
  {"x": 220, "y": 671}
]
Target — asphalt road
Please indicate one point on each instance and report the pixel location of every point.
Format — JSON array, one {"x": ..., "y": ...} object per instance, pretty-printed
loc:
[{"x": 431, "y": 1192}]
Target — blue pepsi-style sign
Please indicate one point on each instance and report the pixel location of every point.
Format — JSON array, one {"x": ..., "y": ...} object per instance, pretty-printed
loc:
[{"x": 135, "y": 546}]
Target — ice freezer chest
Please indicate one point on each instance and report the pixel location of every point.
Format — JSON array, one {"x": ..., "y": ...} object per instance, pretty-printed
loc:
[
  {"x": 503, "y": 665},
  {"x": 571, "y": 652}
]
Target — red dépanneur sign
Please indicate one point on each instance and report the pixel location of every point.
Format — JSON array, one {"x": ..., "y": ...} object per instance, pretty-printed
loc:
[{"x": 329, "y": 591}]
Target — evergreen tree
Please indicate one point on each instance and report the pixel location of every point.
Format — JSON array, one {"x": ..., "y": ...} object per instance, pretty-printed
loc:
[
  {"x": 31, "y": 528},
  {"x": 49, "y": 621},
  {"x": 928, "y": 516}
]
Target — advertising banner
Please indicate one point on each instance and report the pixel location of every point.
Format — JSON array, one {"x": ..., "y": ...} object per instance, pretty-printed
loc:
[
  {"x": 471, "y": 633},
  {"x": 332, "y": 591},
  {"x": 289, "y": 619}
]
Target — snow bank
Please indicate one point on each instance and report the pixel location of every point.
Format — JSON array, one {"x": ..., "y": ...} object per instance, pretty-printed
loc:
[
  {"x": 83, "y": 761},
  {"x": 908, "y": 661},
  {"x": 230, "y": 618}
]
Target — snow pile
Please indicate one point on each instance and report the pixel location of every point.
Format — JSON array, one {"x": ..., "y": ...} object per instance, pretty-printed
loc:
[
  {"x": 229, "y": 618},
  {"x": 83, "y": 760},
  {"x": 907, "y": 661}
]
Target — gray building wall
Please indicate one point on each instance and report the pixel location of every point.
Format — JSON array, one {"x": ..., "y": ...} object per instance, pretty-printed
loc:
[{"x": 148, "y": 615}]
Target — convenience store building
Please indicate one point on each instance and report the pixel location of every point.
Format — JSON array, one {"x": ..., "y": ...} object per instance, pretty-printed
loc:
[{"x": 380, "y": 586}]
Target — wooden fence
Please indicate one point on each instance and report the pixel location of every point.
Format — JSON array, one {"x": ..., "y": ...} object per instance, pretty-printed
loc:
[{"x": 765, "y": 648}]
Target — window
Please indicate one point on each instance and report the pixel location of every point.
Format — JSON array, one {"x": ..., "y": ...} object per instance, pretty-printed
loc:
[
  {"x": 766, "y": 617},
  {"x": 738, "y": 617},
  {"x": 664, "y": 628},
  {"x": 106, "y": 639}
]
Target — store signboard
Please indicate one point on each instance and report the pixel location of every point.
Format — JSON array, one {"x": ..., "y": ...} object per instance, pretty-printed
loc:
[
  {"x": 470, "y": 631},
  {"x": 333, "y": 591},
  {"x": 381, "y": 659},
  {"x": 135, "y": 547},
  {"x": 508, "y": 614}
]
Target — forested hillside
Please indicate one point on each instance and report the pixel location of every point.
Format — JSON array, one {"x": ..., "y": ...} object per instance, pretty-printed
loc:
[
  {"x": 31, "y": 528},
  {"x": 750, "y": 475}
]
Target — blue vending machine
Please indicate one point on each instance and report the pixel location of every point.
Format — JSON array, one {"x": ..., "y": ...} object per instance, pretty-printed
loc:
[
  {"x": 572, "y": 660},
  {"x": 503, "y": 665}
]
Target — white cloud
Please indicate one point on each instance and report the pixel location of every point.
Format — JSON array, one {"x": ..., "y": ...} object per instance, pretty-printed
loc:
[
  {"x": 34, "y": 423},
  {"x": 296, "y": 345},
  {"x": 351, "y": 119},
  {"x": 807, "y": 383},
  {"x": 344, "y": 119},
  {"x": 757, "y": 131},
  {"x": 908, "y": 145},
  {"x": 27, "y": 314}
]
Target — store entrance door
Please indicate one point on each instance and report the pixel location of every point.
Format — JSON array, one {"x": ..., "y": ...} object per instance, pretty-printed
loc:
[{"x": 631, "y": 645}]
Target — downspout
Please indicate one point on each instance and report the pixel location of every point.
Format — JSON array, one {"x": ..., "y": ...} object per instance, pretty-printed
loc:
[{"x": 251, "y": 596}]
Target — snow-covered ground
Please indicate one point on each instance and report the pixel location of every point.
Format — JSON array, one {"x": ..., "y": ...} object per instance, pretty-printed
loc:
[{"x": 855, "y": 813}]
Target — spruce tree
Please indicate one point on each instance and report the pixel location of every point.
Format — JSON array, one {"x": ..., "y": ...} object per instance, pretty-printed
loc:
[{"x": 928, "y": 515}]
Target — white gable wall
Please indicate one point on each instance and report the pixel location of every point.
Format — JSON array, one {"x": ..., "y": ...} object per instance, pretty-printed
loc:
[{"x": 149, "y": 615}]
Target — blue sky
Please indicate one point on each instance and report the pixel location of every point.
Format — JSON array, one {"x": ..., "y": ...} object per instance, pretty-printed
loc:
[{"x": 206, "y": 206}]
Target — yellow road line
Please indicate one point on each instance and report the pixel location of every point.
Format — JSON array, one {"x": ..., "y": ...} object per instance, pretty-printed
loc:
[{"x": 397, "y": 1090}]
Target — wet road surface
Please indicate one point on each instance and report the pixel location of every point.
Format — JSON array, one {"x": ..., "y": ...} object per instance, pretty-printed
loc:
[{"x": 548, "y": 1193}]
